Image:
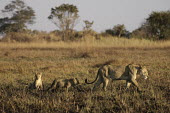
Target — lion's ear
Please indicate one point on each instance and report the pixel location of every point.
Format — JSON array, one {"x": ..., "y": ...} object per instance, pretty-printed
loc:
[
  {"x": 35, "y": 74},
  {"x": 40, "y": 73},
  {"x": 142, "y": 67}
]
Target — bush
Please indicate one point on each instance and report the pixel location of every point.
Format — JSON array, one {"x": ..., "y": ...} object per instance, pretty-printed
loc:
[
  {"x": 30, "y": 36},
  {"x": 19, "y": 37}
]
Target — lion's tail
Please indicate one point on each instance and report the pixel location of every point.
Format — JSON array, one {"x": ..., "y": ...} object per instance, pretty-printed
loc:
[{"x": 86, "y": 81}]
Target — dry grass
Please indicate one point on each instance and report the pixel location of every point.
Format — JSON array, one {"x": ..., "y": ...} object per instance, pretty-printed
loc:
[
  {"x": 19, "y": 61},
  {"x": 103, "y": 42}
]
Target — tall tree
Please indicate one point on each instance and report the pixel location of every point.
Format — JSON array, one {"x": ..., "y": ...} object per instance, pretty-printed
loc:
[
  {"x": 159, "y": 24},
  {"x": 16, "y": 16},
  {"x": 119, "y": 30},
  {"x": 65, "y": 17},
  {"x": 87, "y": 28},
  {"x": 88, "y": 25}
]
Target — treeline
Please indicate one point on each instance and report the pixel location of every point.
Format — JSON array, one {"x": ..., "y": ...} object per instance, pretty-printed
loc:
[
  {"x": 155, "y": 27},
  {"x": 17, "y": 16}
]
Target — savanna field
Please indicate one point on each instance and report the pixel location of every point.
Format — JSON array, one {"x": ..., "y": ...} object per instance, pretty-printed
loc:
[{"x": 20, "y": 61}]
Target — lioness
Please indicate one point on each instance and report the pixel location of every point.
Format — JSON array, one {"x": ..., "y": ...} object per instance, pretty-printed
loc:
[
  {"x": 63, "y": 83},
  {"x": 128, "y": 73},
  {"x": 37, "y": 84}
]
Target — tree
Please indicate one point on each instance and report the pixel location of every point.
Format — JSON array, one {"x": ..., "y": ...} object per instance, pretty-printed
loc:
[
  {"x": 17, "y": 15},
  {"x": 119, "y": 30},
  {"x": 88, "y": 25},
  {"x": 159, "y": 24},
  {"x": 156, "y": 27},
  {"x": 110, "y": 32},
  {"x": 87, "y": 28},
  {"x": 141, "y": 32},
  {"x": 65, "y": 17}
]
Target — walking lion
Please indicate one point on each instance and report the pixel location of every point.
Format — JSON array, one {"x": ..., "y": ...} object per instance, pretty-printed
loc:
[{"x": 129, "y": 73}]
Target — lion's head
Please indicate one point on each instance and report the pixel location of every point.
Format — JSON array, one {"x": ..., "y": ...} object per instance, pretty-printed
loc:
[
  {"x": 38, "y": 76},
  {"x": 143, "y": 72}
]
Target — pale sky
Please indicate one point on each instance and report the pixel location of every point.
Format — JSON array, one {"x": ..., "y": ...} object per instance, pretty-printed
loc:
[{"x": 104, "y": 13}]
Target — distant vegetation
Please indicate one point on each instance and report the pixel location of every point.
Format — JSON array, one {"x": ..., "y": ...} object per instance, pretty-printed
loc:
[
  {"x": 156, "y": 27},
  {"x": 17, "y": 16},
  {"x": 65, "y": 17}
]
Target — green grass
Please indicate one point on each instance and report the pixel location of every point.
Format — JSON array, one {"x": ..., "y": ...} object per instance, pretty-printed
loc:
[{"x": 19, "y": 62}]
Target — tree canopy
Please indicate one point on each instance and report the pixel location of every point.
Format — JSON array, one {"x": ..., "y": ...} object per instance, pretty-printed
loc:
[
  {"x": 159, "y": 24},
  {"x": 16, "y": 16},
  {"x": 88, "y": 24},
  {"x": 65, "y": 17},
  {"x": 156, "y": 26},
  {"x": 118, "y": 30}
]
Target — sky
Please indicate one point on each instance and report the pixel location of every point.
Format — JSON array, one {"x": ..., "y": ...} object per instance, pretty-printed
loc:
[{"x": 105, "y": 13}]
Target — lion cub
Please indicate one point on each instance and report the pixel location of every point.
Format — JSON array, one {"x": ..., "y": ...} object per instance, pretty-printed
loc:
[
  {"x": 63, "y": 83},
  {"x": 37, "y": 84}
]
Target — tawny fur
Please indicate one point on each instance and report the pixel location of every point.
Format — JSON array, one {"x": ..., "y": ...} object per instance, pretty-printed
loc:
[
  {"x": 128, "y": 73},
  {"x": 63, "y": 83},
  {"x": 37, "y": 84}
]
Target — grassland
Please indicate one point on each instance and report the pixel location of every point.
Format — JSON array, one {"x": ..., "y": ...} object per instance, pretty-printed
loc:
[{"x": 19, "y": 62}]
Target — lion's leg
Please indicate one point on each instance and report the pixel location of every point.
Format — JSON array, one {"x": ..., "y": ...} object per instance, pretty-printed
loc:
[
  {"x": 134, "y": 82},
  {"x": 105, "y": 83},
  {"x": 37, "y": 86},
  {"x": 41, "y": 87},
  {"x": 97, "y": 84},
  {"x": 127, "y": 84},
  {"x": 67, "y": 86}
]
